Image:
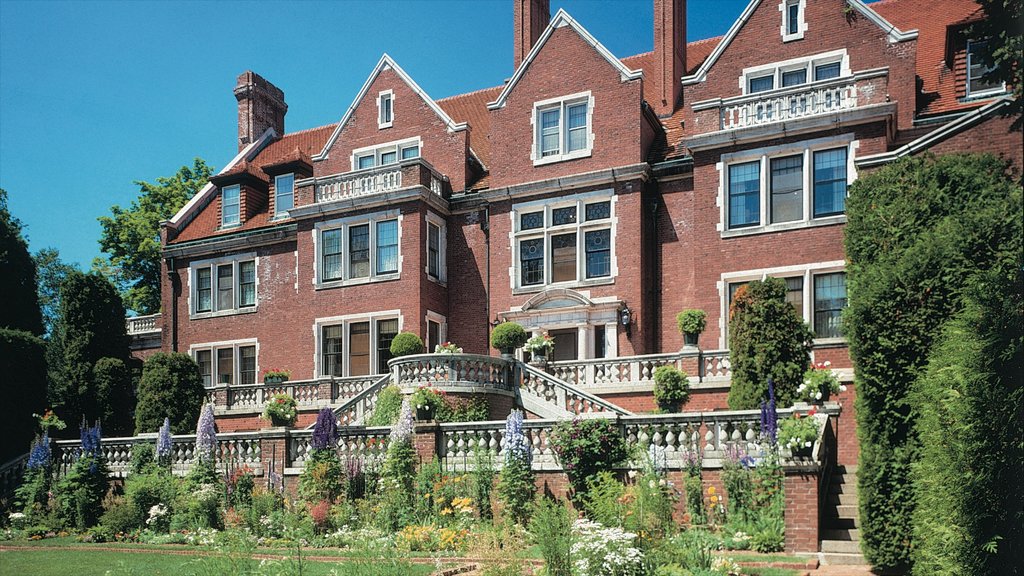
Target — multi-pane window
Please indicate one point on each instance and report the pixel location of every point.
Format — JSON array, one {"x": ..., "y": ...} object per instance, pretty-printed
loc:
[
  {"x": 977, "y": 84},
  {"x": 562, "y": 128},
  {"x": 744, "y": 194},
  {"x": 800, "y": 186},
  {"x": 824, "y": 66},
  {"x": 433, "y": 250},
  {"x": 363, "y": 250},
  {"x": 223, "y": 286},
  {"x": 826, "y": 71},
  {"x": 385, "y": 154},
  {"x": 356, "y": 348},
  {"x": 227, "y": 364},
  {"x": 761, "y": 84},
  {"x": 794, "y": 77},
  {"x": 230, "y": 201},
  {"x": 384, "y": 105},
  {"x": 554, "y": 246},
  {"x": 284, "y": 194},
  {"x": 829, "y": 301},
  {"x": 410, "y": 152}
]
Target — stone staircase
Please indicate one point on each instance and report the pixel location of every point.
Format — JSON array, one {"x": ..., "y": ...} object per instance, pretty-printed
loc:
[{"x": 840, "y": 534}]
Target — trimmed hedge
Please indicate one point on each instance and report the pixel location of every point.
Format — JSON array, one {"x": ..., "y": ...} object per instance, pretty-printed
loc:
[
  {"x": 170, "y": 387},
  {"x": 917, "y": 231},
  {"x": 671, "y": 388},
  {"x": 508, "y": 336},
  {"x": 406, "y": 344}
]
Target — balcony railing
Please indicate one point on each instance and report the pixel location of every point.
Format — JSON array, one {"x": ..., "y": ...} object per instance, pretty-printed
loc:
[
  {"x": 143, "y": 324},
  {"x": 452, "y": 370},
  {"x": 788, "y": 104},
  {"x": 701, "y": 366},
  {"x": 378, "y": 180}
]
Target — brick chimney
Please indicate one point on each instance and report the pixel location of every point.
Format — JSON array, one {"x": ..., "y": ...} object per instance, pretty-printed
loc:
[
  {"x": 669, "y": 55},
  {"x": 530, "y": 18},
  {"x": 260, "y": 106}
]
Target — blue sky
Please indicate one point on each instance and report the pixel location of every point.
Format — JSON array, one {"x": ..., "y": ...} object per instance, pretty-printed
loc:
[{"x": 96, "y": 95}]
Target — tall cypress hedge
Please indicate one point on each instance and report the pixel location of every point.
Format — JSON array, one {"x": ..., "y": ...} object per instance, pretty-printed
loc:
[
  {"x": 969, "y": 478},
  {"x": 917, "y": 231}
]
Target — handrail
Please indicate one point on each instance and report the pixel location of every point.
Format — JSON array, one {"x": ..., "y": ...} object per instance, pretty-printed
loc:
[
  {"x": 356, "y": 404},
  {"x": 564, "y": 391}
]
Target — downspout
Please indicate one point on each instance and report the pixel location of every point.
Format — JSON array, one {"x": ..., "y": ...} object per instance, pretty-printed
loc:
[
  {"x": 485, "y": 226},
  {"x": 173, "y": 277}
]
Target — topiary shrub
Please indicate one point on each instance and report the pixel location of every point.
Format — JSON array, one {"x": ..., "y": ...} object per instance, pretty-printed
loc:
[
  {"x": 671, "y": 388},
  {"x": 767, "y": 339},
  {"x": 406, "y": 344},
  {"x": 170, "y": 387},
  {"x": 508, "y": 336},
  {"x": 586, "y": 447},
  {"x": 112, "y": 381}
]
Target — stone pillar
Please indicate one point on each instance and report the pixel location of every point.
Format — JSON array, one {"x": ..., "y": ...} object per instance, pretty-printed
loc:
[
  {"x": 426, "y": 436},
  {"x": 802, "y": 514},
  {"x": 274, "y": 451},
  {"x": 690, "y": 364},
  {"x": 220, "y": 396},
  {"x": 325, "y": 392}
]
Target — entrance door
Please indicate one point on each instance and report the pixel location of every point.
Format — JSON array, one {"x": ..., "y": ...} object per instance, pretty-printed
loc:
[{"x": 566, "y": 344}]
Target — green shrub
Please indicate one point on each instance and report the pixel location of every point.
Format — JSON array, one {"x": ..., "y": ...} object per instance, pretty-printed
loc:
[
  {"x": 508, "y": 336},
  {"x": 80, "y": 493},
  {"x": 671, "y": 388},
  {"x": 551, "y": 527},
  {"x": 152, "y": 487},
  {"x": 456, "y": 409},
  {"x": 23, "y": 364},
  {"x": 693, "y": 485},
  {"x": 918, "y": 231},
  {"x": 170, "y": 387},
  {"x": 389, "y": 404},
  {"x": 586, "y": 447},
  {"x": 406, "y": 344},
  {"x": 691, "y": 321},
  {"x": 770, "y": 535},
  {"x": 120, "y": 517},
  {"x": 767, "y": 339},
  {"x": 516, "y": 489},
  {"x": 112, "y": 381},
  {"x": 143, "y": 455},
  {"x": 604, "y": 501},
  {"x": 483, "y": 481},
  {"x": 322, "y": 477}
]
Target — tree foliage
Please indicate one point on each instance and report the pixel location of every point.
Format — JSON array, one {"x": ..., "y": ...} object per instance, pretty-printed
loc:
[
  {"x": 917, "y": 231},
  {"x": 51, "y": 271},
  {"x": 90, "y": 326},
  {"x": 967, "y": 483},
  {"x": 20, "y": 310},
  {"x": 171, "y": 387},
  {"x": 131, "y": 236},
  {"x": 115, "y": 401},
  {"x": 1002, "y": 24},
  {"x": 767, "y": 339}
]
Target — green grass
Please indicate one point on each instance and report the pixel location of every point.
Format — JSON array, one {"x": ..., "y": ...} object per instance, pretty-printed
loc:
[
  {"x": 771, "y": 572},
  {"x": 751, "y": 557},
  {"x": 83, "y": 560}
]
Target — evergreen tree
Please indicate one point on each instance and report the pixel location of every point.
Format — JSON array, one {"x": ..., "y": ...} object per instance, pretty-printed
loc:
[
  {"x": 171, "y": 387},
  {"x": 51, "y": 271},
  {"x": 20, "y": 310}
]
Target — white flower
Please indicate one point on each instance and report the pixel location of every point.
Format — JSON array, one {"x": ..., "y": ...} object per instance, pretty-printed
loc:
[
  {"x": 817, "y": 395},
  {"x": 807, "y": 444},
  {"x": 661, "y": 482},
  {"x": 828, "y": 363},
  {"x": 632, "y": 473},
  {"x": 842, "y": 387}
]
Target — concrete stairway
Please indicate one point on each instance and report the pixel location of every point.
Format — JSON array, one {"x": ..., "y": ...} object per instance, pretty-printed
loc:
[{"x": 840, "y": 532}]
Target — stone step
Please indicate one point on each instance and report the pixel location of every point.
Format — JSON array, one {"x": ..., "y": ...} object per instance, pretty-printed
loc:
[
  {"x": 842, "y": 488},
  {"x": 839, "y": 559},
  {"x": 843, "y": 499},
  {"x": 843, "y": 479},
  {"x": 841, "y": 534},
  {"x": 840, "y": 546},
  {"x": 846, "y": 469},
  {"x": 840, "y": 523},
  {"x": 843, "y": 511}
]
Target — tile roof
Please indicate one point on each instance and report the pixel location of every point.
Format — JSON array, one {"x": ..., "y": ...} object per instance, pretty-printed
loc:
[{"x": 471, "y": 108}]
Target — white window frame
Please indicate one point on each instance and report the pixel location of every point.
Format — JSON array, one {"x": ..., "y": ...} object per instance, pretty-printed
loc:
[
  {"x": 345, "y": 321},
  {"x": 385, "y": 96},
  {"x": 224, "y": 224},
  {"x": 805, "y": 271},
  {"x": 442, "y": 328},
  {"x": 236, "y": 358},
  {"x": 580, "y": 227},
  {"x": 562, "y": 103},
  {"x": 764, "y": 156},
  {"x": 809, "y": 63},
  {"x": 378, "y": 150},
  {"x": 442, "y": 248},
  {"x": 278, "y": 213},
  {"x": 234, "y": 260},
  {"x": 343, "y": 224},
  {"x": 801, "y": 25},
  {"x": 967, "y": 76}
]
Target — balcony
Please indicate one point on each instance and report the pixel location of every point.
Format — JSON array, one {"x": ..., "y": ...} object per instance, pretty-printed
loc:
[
  {"x": 862, "y": 97},
  {"x": 374, "y": 182},
  {"x": 139, "y": 325}
]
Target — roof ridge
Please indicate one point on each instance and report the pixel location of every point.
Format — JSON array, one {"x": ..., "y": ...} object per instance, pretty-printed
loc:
[{"x": 307, "y": 130}]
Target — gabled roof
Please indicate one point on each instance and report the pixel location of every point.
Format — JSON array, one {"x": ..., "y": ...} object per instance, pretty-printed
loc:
[
  {"x": 895, "y": 35},
  {"x": 560, "y": 20},
  {"x": 385, "y": 63}
]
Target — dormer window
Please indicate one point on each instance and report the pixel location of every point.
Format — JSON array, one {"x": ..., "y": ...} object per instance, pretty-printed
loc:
[
  {"x": 384, "y": 154},
  {"x": 562, "y": 128},
  {"x": 977, "y": 84},
  {"x": 793, "y": 25},
  {"x": 385, "y": 109},
  {"x": 284, "y": 194},
  {"x": 230, "y": 199}
]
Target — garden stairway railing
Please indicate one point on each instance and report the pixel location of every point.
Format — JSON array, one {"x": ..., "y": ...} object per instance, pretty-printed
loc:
[
  {"x": 551, "y": 397},
  {"x": 11, "y": 473},
  {"x": 355, "y": 410}
]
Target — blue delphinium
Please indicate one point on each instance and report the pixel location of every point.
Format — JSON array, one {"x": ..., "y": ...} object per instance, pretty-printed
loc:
[
  {"x": 39, "y": 455},
  {"x": 163, "y": 443},
  {"x": 325, "y": 432},
  {"x": 90, "y": 437},
  {"x": 517, "y": 446},
  {"x": 206, "y": 435},
  {"x": 770, "y": 416}
]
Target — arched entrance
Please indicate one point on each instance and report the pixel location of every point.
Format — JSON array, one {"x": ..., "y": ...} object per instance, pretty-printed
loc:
[{"x": 583, "y": 327}]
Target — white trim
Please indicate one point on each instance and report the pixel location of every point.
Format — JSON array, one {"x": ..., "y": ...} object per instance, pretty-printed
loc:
[
  {"x": 343, "y": 224},
  {"x": 894, "y": 35},
  {"x": 238, "y": 203},
  {"x": 801, "y": 22},
  {"x": 442, "y": 248},
  {"x": 932, "y": 138},
  {"x": 561, "y": 20},
  {"x": 381, "y": 96},
  {"x": 278, "y": 213},
  {"x": 968, "y": 95},
  {"x": 442, "y": 328},
  {"x": 562, "y": 103},
  {"x": 805, "y": 271},
  {"x": 236, "y": 358},
  {"x": 385, "y": 62},
  {"x": 212, "y": 264},
  {"x": 345, "y": 321},
  {"x": 247, "y": 153},
  {"x": 377, "y": 150}
]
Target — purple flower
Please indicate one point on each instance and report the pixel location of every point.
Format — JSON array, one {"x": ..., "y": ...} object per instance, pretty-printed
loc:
[
  {"x": 517, "y": 446},
  {"x": 325, "y": 432},
  {"x": 163, "y": 442},
  {"x": 206, "y": 435},
  {"x": 39, "y": 455},
  {"x": 402, "y": 430},
  {"x": 770, "y": 416},
  {"x": 90, "y": 439}
]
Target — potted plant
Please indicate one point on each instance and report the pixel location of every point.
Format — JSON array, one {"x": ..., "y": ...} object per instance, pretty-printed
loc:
[
  {"x": 447, "y": 348},
  {"x": 427, "y": 401},
  {"x": 276, "y": 376},
  {"x": 540, "y": 348},
  {"x": 798, "y": 434},
  {"x": 671, "y": 388},
  {"x": 691, "y": 323},
  {"x": 820, "y": 383},
  {"x": 508, "y": 336},
  {"x": 281, "y": 410}
]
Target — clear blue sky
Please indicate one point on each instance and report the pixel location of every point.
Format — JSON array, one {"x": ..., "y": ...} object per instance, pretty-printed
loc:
[{"x": 96, "y": 95}]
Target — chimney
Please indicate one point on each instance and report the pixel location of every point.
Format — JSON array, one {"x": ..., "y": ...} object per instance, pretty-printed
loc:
[
  {"x": 669, "y": 55},
  {"x": 530, "y": 18},
  {"x": 260, "y": 106}
]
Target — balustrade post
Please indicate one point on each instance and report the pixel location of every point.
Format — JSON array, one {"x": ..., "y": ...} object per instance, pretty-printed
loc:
[
  {"x": 426, "y": 437},
  {"x": 802, "y": 514},
  {"x": 220, "y": 397},
  {"x": 325, "y": 391},
  {"x": 274, "y": 451}
]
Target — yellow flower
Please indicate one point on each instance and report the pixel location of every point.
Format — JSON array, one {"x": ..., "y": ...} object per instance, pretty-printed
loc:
[{"x": 711, "y": 489}]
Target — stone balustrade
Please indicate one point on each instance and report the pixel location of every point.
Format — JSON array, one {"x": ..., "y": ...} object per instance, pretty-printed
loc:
[
  {"x": 471, "y": 372},
  {"x": 700, "y": 365},
  {"x": 788, "y": 104},
  {"x": 234, "y": 450},
  {"x": 377, "y": 180},
  {"x": 308, "y": 394},
  {"x": 137, "y": 325},
  {"x": 11, "y": 473},
  {"x": 565, "y": 395}
]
